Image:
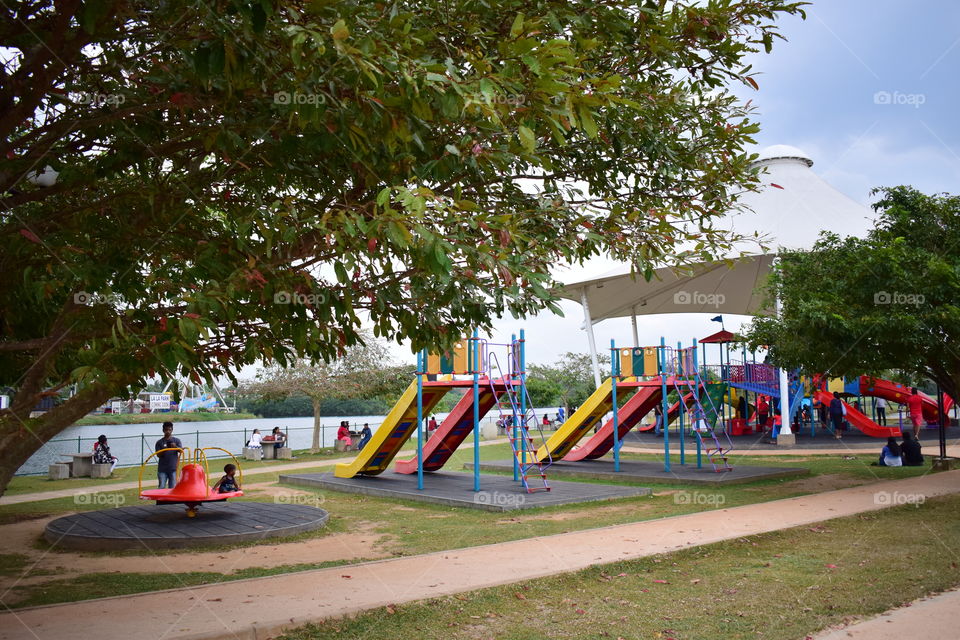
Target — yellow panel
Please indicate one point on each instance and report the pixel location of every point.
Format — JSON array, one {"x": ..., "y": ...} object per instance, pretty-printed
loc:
[
  {"x": 835, "y": 384},
  {"x": 650, "y": 361},
  {"x": 626, "y": 362}
]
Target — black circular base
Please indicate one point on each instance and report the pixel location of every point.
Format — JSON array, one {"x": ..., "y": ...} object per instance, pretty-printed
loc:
[{"x": 167, "y": 526}]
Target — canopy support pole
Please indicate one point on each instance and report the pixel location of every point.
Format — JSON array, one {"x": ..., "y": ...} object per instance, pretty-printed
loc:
[
  {"x": 784, "y": 390},
  {"x": 633, "y": 321},
  {"x": 588, "y": 327}
]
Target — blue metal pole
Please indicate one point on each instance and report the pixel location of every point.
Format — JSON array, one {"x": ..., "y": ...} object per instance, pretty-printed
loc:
[
  {"x": 420, "y": 367},
  {"x": 683, "y": 407},
  {"x": 475, "y": 365},
  {"x": 615, "y": 375},
  {"x": 662, "y": 365},
  {"x": 704, "y": 382},
  {"x": 513, "y": 407}
]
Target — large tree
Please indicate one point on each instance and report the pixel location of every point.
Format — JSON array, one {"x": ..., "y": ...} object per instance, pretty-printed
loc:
[
  {"x": 237, "y": 180},
  {"x": 363, "y": 371},
  {"x": 891, "y": 300},
  {"x": 571, "y": 378}
]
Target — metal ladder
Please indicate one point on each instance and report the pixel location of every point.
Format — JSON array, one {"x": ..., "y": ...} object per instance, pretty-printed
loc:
[
  {"x": 717, "y": 454},
  {"x": 522, "y": 443}
]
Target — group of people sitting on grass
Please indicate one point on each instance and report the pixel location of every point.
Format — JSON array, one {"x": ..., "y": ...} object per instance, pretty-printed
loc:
[{"x": 904, "y": 454}]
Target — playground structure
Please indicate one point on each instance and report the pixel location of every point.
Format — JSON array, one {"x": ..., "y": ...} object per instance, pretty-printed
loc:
[
  {"x": 647, "y": 375},
  {"x": 495, "y": 377},
  {"x": 191, "y": 488}
]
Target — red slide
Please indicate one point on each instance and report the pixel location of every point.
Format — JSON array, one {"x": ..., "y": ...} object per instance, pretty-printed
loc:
[
  {"x": 642, "y": 403},
  {"x": 452, "y": 431},
  {"x": 896, "y": 392},
  {"x": 860, "y": 420}
]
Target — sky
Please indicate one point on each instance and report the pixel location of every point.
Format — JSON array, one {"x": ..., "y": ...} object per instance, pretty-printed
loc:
[{"x": 867, "y": 88}]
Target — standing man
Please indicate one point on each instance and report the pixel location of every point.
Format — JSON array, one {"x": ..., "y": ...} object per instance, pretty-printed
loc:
[
  {"x": 167, "y": 461},
  {"x": 837, "y": 411},
  {"x": 915, "y": 404},
  {"x": 560, "y": 414},
  {"x": 881, "y": 406},
  {"x": 763, "y": 410}
]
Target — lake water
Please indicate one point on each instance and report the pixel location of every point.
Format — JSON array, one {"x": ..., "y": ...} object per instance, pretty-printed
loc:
[{"x": 131, "y": 443}]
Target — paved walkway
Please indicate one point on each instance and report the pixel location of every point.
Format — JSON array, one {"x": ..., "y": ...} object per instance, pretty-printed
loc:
[
  {"x": 934, "y": 618},
  {"x": 260, "y": 608},
  {"x": 122, "y": 486}
]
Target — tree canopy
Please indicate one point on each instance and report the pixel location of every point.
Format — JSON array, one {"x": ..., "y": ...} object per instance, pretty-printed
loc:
[
  {"x": 192, "y": 187},
  {"x": 891, "y": 300}
]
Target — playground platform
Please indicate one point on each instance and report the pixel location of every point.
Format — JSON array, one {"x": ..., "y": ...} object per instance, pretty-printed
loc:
[
  {"x": 652, "y": 471},
  {"x": 455, "y": 489},
  {"x": 165, "y": 526}
]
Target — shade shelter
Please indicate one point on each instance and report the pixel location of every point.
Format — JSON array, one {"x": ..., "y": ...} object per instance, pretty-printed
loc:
[{"x": 790, "y": 210}]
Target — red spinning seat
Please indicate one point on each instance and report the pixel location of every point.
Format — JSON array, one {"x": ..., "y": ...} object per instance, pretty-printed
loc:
[{"x": 191, "y": 488}]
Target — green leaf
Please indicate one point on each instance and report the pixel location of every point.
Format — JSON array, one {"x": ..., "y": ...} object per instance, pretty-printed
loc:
[
  {"x": 527, "y": 139},
  {"x": 339, "y": 30},
  {"x": 452, "y": 149},
  {"x": 587, "y": 121},
  {"x": 517, "y": 27}
]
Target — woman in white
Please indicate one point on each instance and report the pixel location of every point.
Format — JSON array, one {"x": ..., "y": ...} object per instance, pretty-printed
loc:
[{"x": 255, "y": 440}]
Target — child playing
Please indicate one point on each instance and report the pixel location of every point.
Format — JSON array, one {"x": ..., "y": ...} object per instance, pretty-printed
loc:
[{"x": 228, "y": 483}]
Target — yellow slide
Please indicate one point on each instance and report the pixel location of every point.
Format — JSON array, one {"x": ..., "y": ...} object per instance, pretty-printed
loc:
[
  {"x": 589, "y": 414},
  {"x": 397, "y": 427}
]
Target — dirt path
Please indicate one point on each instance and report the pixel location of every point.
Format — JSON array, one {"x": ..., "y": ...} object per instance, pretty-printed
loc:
[
  {"x": 361, "y": 543},
  {"x": 934, "y": 618},
  {"x": 264, "y": 607}
]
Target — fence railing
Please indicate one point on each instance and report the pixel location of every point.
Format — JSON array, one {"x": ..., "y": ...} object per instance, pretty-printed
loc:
[{"x": 132, "y": 450}]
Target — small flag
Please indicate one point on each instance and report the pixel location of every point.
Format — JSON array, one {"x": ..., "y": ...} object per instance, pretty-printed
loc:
[{"x": 717, "y": 319}]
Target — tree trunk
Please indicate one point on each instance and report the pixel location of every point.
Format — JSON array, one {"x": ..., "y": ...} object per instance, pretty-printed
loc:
[
  {"x": 315, "y": 445},
  {"x": 21, "y": 437}
]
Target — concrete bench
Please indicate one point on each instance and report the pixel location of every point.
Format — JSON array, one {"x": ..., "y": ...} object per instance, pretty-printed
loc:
[
  {"x": 100, "y": 470},
  {"x": 59, "y": 471},
  {"x": 340, "y": 445},
  {"x": 252, "y": 453},
  {"x": 284, "y": 453}
]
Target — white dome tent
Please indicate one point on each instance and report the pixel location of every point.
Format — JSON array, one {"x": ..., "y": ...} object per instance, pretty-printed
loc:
[{"x": 791, "y": 208}]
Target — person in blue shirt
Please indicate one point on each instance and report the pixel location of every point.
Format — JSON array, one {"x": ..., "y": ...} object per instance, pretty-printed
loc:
[
  {"x": 167, "y": 461},
  {"x": 890, "y": 455},
  {"x": 365, "y": 435},
  {"x": 559, "y": 414}
]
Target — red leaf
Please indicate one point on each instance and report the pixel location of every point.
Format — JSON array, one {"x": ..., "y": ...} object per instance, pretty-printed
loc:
[
  {"x": 830, "y": 566},
  {"x": 371, "y": 244},
  {"x": 345, "y": 576},
  {"x": 661, "y": 582},
  {"x": 774, "y": 184},
  {"x": 191, "y": 315},
  {"x": 753, "y": 83},
  {"x": 581, "y": 611},
  {"x": 30, "y": 235}
]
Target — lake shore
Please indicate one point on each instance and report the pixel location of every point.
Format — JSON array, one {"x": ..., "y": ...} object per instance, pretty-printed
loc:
[{"x": 148, "y": 418}]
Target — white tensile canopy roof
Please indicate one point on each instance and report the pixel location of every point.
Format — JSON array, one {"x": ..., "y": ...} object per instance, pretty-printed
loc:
[{"x": 790, "y": 210}]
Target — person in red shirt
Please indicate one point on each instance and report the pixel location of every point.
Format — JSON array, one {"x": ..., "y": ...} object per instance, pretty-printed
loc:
[
  {"x": 915, "y": 405},
  {"x": 763, "y": 409}
]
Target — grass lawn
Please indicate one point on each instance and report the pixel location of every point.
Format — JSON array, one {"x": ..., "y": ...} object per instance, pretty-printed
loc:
[
  {"x": 407, "y": 528},
  {"x": 781, "y": 585}
]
